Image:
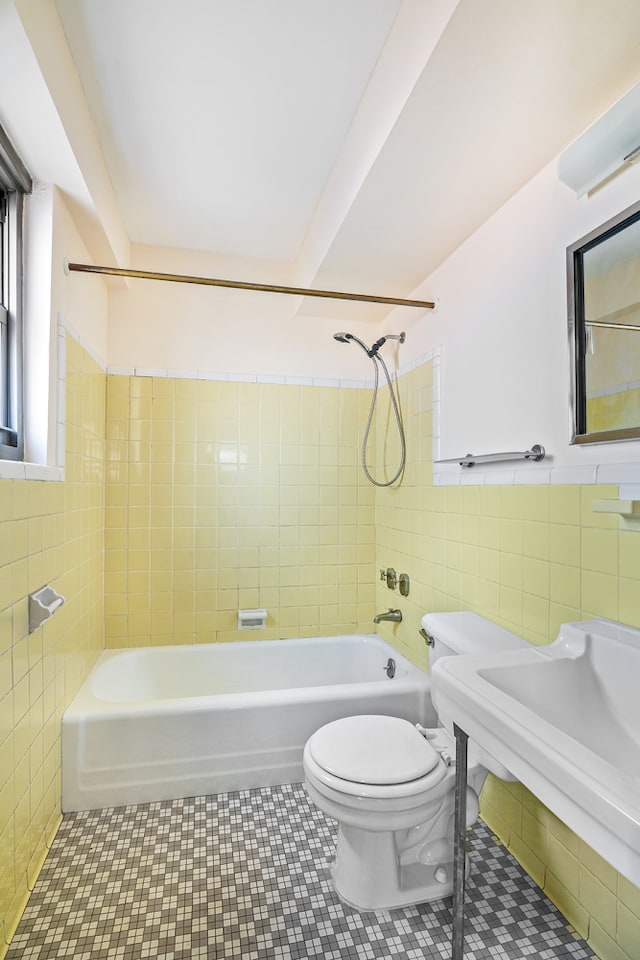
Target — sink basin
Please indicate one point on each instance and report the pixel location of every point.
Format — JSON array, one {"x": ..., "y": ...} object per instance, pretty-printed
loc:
[{"x": 565, "y": 720}]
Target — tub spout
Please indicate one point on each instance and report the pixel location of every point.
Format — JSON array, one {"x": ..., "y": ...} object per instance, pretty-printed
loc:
[{"x": 394, "y": 615}]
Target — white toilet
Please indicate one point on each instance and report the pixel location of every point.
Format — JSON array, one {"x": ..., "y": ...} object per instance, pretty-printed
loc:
[{"x": 390, "y": 785}]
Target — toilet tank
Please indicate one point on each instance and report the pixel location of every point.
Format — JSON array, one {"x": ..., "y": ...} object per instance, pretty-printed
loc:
[
  {"x": 455, "y": 634},
  {"x": 465, "y": 633}
]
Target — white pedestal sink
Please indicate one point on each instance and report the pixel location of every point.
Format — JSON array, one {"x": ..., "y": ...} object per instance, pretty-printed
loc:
[{"x": 565, "y": 720}]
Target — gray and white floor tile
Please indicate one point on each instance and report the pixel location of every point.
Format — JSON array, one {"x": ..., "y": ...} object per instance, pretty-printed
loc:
[{"x": 246, "y": 875}]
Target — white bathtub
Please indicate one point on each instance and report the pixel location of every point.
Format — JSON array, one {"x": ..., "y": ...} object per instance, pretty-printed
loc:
[{"x": 159, "y": 723}]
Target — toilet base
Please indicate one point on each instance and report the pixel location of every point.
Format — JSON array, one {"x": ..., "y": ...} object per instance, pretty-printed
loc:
[
  {"x": 395, "y": 840},
  {"x": 368, "y": 873}
]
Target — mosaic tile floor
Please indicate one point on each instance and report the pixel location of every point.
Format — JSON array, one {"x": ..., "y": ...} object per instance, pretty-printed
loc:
[{"x": 246, "y": 875}]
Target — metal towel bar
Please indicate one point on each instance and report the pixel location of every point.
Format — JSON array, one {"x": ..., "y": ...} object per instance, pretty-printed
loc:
[{"x": 537, "y": 453}]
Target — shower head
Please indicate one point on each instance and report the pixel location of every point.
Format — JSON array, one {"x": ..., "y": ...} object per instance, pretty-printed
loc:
[{"x": 348, "y": 337}]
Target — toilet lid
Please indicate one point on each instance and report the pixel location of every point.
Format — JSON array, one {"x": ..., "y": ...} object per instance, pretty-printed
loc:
[{"x": 373, "y": 749}]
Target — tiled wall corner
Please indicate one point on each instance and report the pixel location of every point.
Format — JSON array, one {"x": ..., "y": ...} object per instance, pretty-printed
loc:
[
  {"x": 530, "y": 557},
  {"x": 52, "y": 532}
]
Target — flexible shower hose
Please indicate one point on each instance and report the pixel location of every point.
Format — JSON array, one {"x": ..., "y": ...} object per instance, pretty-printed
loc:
[{"x": 396, "y": 410}]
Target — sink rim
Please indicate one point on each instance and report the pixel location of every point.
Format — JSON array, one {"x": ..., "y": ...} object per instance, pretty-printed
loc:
[
  {"x": 597, "y": 799},
  {"x": 469, "y": 670},
  {"x": 597, "y": 709}
]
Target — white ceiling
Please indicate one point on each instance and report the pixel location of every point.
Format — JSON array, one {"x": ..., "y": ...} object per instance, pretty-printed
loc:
[
  {"x": 220, "y": 120},
  {"x": 360, "y": 141}
]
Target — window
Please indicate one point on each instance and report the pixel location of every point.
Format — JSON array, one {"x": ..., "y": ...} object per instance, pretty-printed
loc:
[{"x": 15, "y": 182}]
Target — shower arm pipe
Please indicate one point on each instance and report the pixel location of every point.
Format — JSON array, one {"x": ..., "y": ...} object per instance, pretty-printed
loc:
[{"x": 242, "y": 285}]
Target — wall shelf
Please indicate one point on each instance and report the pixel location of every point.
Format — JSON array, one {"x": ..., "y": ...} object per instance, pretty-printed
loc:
[
  {"x": 628, "y": 511},
  {"x": 624, "y": 508}
]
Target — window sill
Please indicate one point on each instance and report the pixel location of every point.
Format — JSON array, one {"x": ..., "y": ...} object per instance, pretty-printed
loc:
[{"x": 19, "y": 470}]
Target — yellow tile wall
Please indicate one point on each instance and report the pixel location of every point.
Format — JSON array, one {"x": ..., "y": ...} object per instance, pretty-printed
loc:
[
  {"x": 50, "y": 532},
  {"x": 225, "y": 495},
  {"x": 219, "y": 495},
  {"x": 529, "y": 557}
]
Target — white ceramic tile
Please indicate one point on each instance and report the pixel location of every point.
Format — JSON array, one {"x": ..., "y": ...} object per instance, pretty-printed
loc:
[
  {"x": 532, "y": 476},
  {"x": 354, "y": 384},
  {"x": 618, "y": 473},
  {"x": 87, "y": 347},
  {"x": 299, "y": 381},
  {"x": 472, "y": 477},
  {"x": 325, "y": 382},
  {"x": 408, "y": 367},
  {"x": 500, "y": 477},
  {"x": 61, "y": 401},
  {"x": 574, "y": 475},
  {"x": 60, "y": 444},
  {"x": 61, "y": 346},
  {"x": 629, "y": 491},
  {"x": 447, "y": 474},
  {"x": 436, "y": 415},
  {"x": 151, "y": 372}
]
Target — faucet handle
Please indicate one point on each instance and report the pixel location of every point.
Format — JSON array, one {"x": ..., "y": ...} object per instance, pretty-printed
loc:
[{"x": 428, "y": 639}]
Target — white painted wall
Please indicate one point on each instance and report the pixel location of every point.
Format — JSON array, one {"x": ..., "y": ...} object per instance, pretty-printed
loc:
[
  {"x": 81, "y": 301},
  {"x": 502, "y": 325},
  {"x": 50, "y": 300},
  {"x": 160, "y": 325}
]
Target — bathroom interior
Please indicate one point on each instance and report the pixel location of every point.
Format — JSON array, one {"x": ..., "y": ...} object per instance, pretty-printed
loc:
[{"x": 193, "y": 452}]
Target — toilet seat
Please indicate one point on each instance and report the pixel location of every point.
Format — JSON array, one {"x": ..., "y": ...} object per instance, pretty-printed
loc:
[
  {"x": 338, "y": 747},
  {"x": 373, "y": 749}
]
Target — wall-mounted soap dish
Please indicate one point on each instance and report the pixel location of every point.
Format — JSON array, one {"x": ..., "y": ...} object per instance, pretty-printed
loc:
[
  {"x": 252, "y": 619},
  {"x": 628, "y": 511},
  {"x": 42, "y": 605}
]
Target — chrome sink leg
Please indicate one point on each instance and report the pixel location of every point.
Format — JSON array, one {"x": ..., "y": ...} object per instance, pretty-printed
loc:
[{"x": 460, "y": 838}]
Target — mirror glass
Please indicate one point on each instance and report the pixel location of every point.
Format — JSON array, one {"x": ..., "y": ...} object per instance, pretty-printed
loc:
[{"x": 604, "y": 328}]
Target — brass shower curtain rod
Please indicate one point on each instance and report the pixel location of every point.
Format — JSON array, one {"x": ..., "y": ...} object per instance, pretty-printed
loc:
[{"x": 239, "y": 285}]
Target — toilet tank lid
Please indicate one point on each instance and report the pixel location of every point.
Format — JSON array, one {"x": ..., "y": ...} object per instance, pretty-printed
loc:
[{"x": 467, "y": 633}]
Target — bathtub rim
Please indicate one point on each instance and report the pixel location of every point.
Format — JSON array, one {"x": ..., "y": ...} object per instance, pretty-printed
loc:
[{"x": 85, "y": 704}]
